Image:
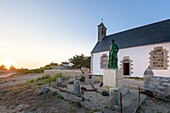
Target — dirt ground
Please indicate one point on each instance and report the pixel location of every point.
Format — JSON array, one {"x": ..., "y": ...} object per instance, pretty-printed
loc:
[
  {"x": 9, "y": 79},
  {"x": 17, "y": 96},
  {"x": 24, "y": 98}
]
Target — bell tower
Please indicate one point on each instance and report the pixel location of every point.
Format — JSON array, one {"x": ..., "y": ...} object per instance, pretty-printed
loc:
[{"x": 101, "y": 31}]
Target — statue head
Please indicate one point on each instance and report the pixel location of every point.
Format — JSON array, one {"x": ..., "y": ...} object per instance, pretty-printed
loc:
[{"x": 113, "y": 41}]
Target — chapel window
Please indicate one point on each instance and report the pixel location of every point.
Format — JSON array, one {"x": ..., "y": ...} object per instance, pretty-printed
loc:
[
  {"x": 104, "y": 61},
  {"x": 158, "y": 58}
]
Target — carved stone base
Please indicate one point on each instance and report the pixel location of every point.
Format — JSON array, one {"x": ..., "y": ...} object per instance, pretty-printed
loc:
[{"x": 112, "y": 77}]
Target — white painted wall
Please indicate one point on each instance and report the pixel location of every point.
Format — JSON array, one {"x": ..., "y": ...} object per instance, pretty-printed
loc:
[{"x": 139, "y": 55}]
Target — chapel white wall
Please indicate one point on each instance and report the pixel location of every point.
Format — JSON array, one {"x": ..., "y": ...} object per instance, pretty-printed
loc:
[{"x": 140, "y": 57}]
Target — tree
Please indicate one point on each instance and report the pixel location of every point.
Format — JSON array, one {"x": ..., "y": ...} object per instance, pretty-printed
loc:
[
  {"x": 87, "y": 62},
  {"x": 80, "y": 61},
  {"x": 3, "y": 67},
  {"x": 12, "y": 68},
  {"x": 51, "y": 64}
]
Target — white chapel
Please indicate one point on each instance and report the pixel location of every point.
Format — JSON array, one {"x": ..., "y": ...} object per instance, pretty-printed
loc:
[{"x": 139, "y": 48}]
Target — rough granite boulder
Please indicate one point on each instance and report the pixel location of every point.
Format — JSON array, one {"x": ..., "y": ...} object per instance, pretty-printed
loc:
[{"x": 159, "y": 86}]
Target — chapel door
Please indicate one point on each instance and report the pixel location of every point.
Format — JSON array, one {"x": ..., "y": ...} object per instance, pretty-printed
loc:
[{"x": 126, "y": 68}]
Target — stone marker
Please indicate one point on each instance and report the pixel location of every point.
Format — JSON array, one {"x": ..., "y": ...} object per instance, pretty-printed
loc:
[
  {"x": 112, "y": 77},
  {"x": 59, "y": 80},
  {"x": 77, "y": 87},
  {"x": 115, "y": 98}
]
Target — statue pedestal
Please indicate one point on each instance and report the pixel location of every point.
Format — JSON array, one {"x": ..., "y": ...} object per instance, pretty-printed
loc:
[{"x": 112, "y": 78}]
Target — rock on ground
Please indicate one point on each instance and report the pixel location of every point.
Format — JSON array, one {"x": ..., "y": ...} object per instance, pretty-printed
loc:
[{"x": 152, "y": 105}]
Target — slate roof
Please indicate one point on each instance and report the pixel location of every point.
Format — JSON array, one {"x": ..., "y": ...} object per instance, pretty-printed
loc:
[{"x": 145, "y": 35}]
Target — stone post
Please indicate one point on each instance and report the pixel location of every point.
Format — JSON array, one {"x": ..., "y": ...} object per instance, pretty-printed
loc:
[
  {"x": 115, "y": 98},
  {"x": 77, "y": 87}
]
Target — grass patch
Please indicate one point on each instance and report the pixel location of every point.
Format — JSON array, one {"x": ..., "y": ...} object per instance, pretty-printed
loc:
[
  {"x": 31, "y": 81},
  {"x": 60, "y": 97},
  {"x": 57, "y": 94},
  {"x": 77, "y": 104},
  {"x": 54, "y": 93},
  {"x": 94, "y": 110},
  {"x": 136, "y": 78},
  {"x": 38, "y": 70},
  {"x": 45, "y": 79}
]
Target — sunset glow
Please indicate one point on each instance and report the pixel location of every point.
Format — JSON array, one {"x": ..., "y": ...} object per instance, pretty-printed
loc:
[
  {"x": 34, "y": 33},
  {"x": 8, "y": 62}
]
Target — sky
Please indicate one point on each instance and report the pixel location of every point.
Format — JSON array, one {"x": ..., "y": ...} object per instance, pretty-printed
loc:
[{"x": 34, "y": 33}]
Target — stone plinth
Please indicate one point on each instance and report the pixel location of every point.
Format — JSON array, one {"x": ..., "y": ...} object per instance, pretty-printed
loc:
[
  {"x": 114, "y": 98},
  {"x": 112, "y": 77}
]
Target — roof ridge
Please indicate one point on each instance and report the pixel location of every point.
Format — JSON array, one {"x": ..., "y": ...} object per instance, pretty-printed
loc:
[
  {"x": 154, "y": 33},
  {"x": 131, "y": 29}
]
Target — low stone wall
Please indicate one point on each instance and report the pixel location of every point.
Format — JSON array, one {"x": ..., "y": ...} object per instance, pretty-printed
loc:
[
  {"x": 63, "y": 72},
  {"x": 159, "y": 86}
]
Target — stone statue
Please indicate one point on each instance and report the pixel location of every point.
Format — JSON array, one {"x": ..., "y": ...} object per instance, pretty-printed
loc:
[{"x": 113, "y": 59}]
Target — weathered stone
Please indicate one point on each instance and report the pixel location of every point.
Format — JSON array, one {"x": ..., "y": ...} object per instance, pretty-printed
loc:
[
  {"x": 112, "y": 77},
  {"x": 159, "y": 86},
  {"x": 149, "y": 72},
  {"x": 77, "y": 87},
  {"x": 59, "y": 81},
  {"x": 161, "y": 95},
  {"x": 167, "y": 91},
  {"x": 114, "y": 98},
  {"x": 44, "y": 90}
]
